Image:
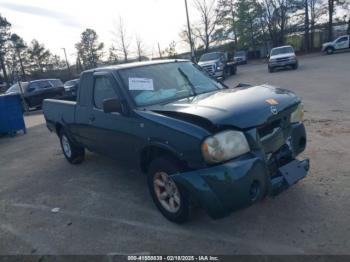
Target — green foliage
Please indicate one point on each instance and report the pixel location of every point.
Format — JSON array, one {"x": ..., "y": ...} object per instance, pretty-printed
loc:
[
  {"x": 89, "y": 49},
  {"x": 5, "y": 27},
  {"x": 39, "y": 56},
  {"x": 248, "y": 24}
]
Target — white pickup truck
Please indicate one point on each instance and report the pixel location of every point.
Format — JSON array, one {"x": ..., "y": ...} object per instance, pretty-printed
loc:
[{"x": 340, "y": 43}]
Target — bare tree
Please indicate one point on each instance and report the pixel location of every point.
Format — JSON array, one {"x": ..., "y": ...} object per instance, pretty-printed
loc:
[
  {"x": 208, "y": 21},
  {"x": 139, "y": 47},
  {"x": 317, "y": 9},
  {"x": 307, "y": 24},
  {"x": 123, "y": 41},
  {"x": 345, "y": 5},
  {"x": 331, "y": 10},
  {"x": 277, "y": 15},
  {"x": 184, "y": 35}
]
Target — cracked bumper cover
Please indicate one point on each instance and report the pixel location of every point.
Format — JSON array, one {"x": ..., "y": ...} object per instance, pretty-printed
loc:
[{"x": 224, "y": 188}]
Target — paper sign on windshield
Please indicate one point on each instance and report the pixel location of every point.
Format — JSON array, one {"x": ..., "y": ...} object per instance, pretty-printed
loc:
[{"x": 141, "y": 84}]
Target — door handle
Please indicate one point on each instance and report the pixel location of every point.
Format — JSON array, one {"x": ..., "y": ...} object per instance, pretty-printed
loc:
[{"x": 91, "y": 119}]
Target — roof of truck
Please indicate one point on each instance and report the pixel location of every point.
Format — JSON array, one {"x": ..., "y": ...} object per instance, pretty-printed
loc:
[{"x": 138, "y": 64}]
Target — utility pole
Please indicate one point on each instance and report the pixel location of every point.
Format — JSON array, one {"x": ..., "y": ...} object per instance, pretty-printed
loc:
[
  {"x": 68, "y": 67},
  {"x": 160, "y": 53},
  {"x": 189, "y": 33}
]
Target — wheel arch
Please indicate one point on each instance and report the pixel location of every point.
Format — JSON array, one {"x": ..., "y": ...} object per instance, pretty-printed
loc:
[
  {"x": 155, "y": 150},
  {"x": 58, "y": 128}
]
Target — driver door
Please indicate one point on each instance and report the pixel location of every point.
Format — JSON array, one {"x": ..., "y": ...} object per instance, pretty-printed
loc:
[{"x": 111, "y": 132}]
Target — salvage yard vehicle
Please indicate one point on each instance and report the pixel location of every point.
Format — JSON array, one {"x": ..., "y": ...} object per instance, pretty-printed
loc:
[
  {"x": 281, "y": 57},
  {"x": 71, "y": 88},
  {"x": 340, "y": 43},
  {"x": 240, "y": 57},
  {"x": 217, "y": 65},
  {"x": 34, "y": 92},
  {"x": 199, "y": 142}
]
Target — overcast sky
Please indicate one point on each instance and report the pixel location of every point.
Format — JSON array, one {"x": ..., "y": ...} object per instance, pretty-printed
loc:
[{"x": 59, "y": 23}]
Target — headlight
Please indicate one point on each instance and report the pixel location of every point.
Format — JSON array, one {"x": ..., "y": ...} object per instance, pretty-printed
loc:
[
  {"x": 219, "y": 66},
  {"x": 298, "y": 115},
  {"x": 224, "y": 146}
]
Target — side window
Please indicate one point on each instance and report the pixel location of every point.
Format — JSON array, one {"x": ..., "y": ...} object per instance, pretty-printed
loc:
[
  {"x": 33, "y": 87},
  {"x": 103, "y": 90},
  {"x": 44, "y": 84},
  {"x": 343, "y": 39}
]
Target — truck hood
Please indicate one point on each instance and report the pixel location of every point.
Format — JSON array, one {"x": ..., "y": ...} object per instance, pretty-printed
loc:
[
  {"x": 211, "y": 62},
  {"x": 327, "y": 43},
  {"x": 241, "y": 108},
  {"x": 283, "y": 56}
]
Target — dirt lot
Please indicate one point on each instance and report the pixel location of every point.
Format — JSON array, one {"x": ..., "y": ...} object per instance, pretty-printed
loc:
[{"x": 105, "y": 208}]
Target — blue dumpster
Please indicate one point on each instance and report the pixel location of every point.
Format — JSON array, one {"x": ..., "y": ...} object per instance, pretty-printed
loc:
[{"x": 11, "y": 114}]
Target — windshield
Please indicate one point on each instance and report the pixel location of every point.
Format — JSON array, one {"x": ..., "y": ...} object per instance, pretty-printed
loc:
[
  {"x": 282, "y": 50},
  {"x": 162, "y": 83},
  {"x": 240, "y": 53},
  {"x": 209, "y": 57},
  {"x": 71, "y": 82},
  {"x": 15, "y": 88}
]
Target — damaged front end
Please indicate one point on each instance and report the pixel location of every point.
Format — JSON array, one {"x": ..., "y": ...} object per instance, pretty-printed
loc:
[{"x": 268, "y": 169}]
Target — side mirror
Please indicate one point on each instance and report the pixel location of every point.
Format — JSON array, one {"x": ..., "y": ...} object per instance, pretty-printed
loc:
[{"x": 112, "y": 105}]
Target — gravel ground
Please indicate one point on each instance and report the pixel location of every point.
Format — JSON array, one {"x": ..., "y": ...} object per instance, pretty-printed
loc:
[{"x": 103, "y": 207}]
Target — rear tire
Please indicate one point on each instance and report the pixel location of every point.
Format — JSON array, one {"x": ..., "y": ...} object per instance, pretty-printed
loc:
[
  {"x": 170, "y": 198},
  {"x": 233, "y": 70},
  {"x": 73, "y": 153}
]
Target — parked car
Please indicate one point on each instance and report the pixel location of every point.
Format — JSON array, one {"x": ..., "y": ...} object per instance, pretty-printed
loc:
[
  {"x": 281, "y": 57},
  {"x": 34, "y": 92},
  {"x": 340, "y": 43},
  {"x": 217, "y": 65},
  {"x": 70, "y": 88},
  {"x": 197, "y": 140},
  {"x": 240, "y": 57}
]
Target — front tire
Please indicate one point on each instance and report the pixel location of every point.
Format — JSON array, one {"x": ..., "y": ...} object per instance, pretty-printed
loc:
[
  {"x": 170, "y": 198},
  {"x": 271, "y": 70},
  {"x": 329, "y": 50},
  {"x": 73, "y": 153}
]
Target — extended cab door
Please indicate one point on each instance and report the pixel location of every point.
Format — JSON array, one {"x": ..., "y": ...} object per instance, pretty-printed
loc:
[{"x": 110, "y": 132}]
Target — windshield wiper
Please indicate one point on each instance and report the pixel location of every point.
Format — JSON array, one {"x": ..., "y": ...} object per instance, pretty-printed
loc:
[{"x": 188, "y": 81}]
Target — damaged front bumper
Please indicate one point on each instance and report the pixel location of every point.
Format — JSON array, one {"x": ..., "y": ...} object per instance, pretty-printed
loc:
[
  {"x": 224, "y": 188},
  {"x": 239, "y": 183}
]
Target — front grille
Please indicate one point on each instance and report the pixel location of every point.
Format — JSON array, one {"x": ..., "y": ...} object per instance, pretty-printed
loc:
[
  {"x": 273, "y": 134},
  {"x": 284, "y": 59},
  {"x": 269, "y": 128},
  {"x": 209, "y": 69}
]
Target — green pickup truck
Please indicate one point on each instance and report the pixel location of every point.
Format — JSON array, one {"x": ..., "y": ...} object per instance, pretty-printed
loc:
[{"x": 200, "y": 142}]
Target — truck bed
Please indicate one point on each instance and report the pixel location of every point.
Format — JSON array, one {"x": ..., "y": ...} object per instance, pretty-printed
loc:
[{"x": 59, "y": 111}]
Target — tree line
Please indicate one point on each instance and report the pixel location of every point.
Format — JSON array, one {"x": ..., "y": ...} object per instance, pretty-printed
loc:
[
  {"x": 254, "y": 23},
  {"x": 19, "y": 59},
  {"x": 248, "y": 24}
]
